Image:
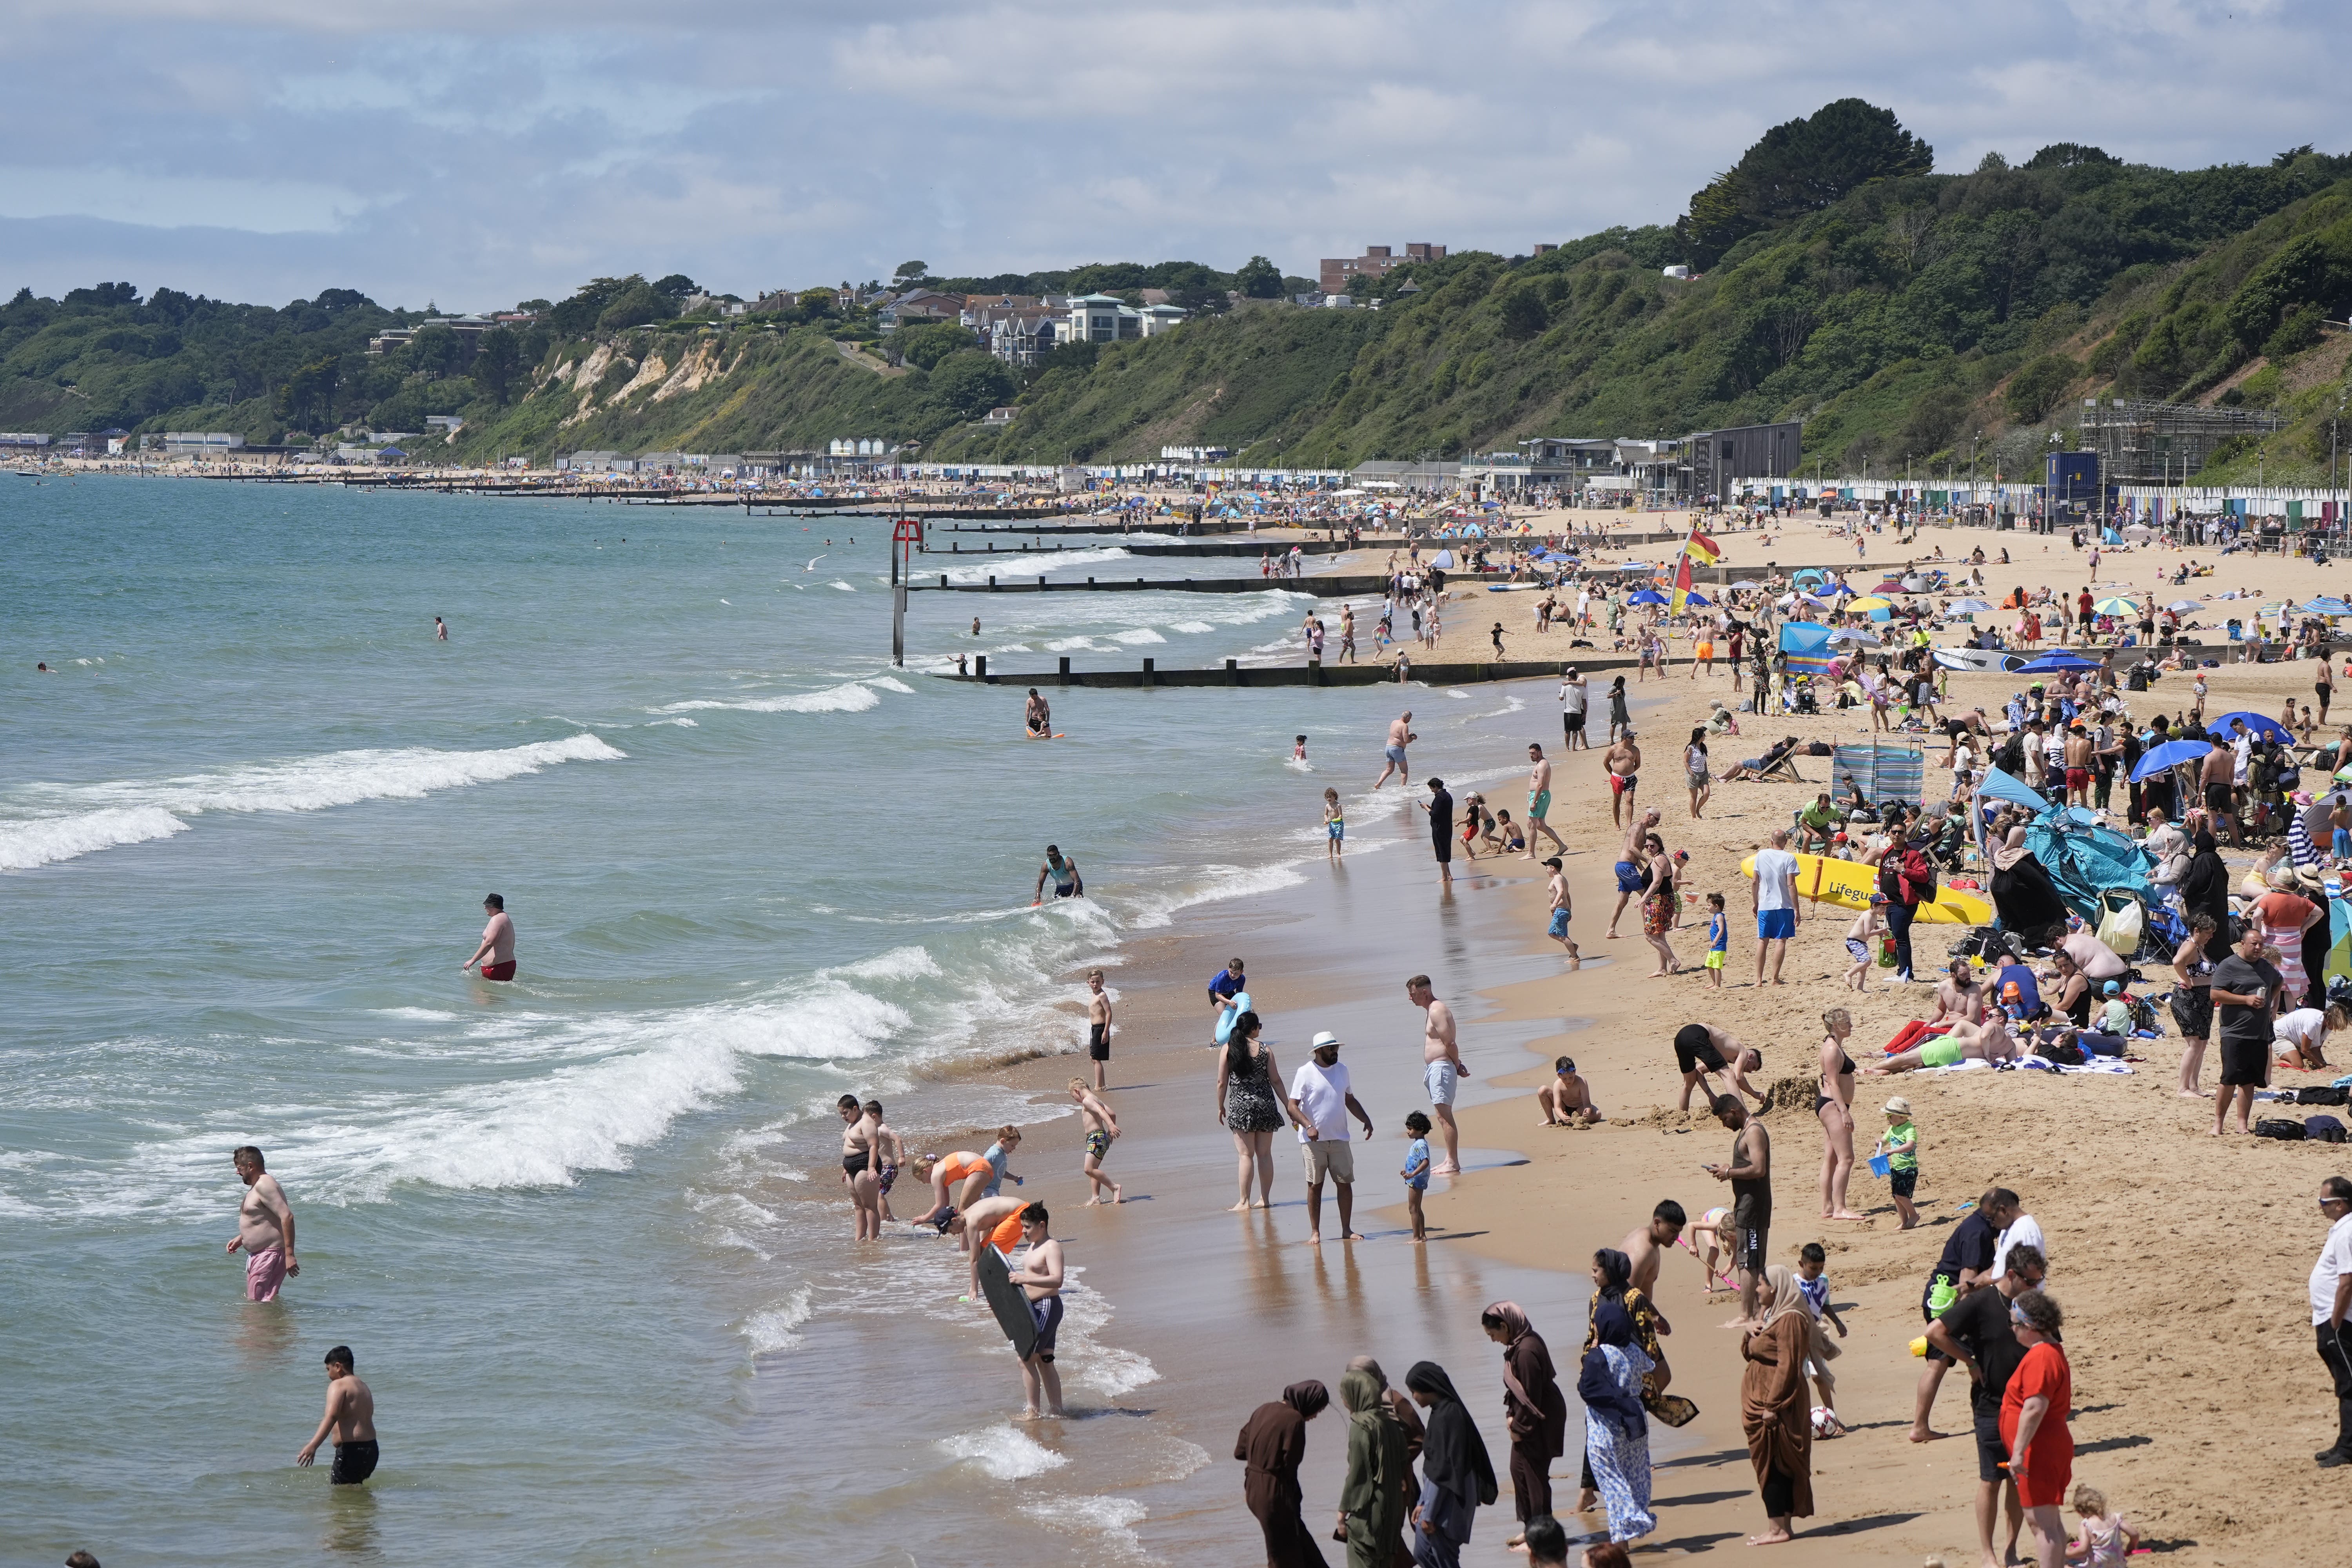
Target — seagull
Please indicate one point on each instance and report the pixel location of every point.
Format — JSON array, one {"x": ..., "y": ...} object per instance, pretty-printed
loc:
[{"x": 813, "y": 561}]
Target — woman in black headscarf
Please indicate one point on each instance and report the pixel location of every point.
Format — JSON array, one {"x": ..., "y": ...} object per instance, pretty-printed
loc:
[
  {"x": 2021, "y": 891},
  {"x": 1457, "y": 1478},
  {"x": 2205, "y": 886},
  {"x": 1535, "y": 1407},
  {"x": 1271, "y": 1443}
]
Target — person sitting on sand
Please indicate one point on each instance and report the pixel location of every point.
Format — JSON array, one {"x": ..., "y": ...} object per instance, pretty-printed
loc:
[
  {"x": 1567, "y": 1100},
  {"x": 1987, "y": 1042}
]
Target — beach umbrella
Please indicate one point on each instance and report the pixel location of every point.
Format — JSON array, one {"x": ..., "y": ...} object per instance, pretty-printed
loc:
[
  {"x": 2259, "y": 724},
  {"x": 1871, "y": 602},
  {"x": 1749, "y": 587},
  {"x": 2155, "y": 759},
  {"x": 2117, "y": 606},
  {"x": 1890, "y": 587},
  {"x": 1646, "y": 597},
  {"x": 1967, "y": 608},
  {"x": 1700, "y": 599},
  {"x": 1855, "y": 634},
  {"x": 2053, "y": 663},
  {"x": 2185, "y": 606},
  {"x": 2326, "y": 606}
]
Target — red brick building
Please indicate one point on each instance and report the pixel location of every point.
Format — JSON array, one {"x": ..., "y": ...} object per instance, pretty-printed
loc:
[{"x": 1340, "y": 273}]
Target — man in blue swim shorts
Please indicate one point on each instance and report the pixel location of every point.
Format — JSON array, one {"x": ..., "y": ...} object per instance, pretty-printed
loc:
[
  {"x": 1772, "y": 889},
  {"x": 1401, "y": 735},
  {"x": 1631, "y": 876}
]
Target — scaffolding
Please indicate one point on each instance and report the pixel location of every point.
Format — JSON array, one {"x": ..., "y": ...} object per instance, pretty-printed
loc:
[{"x": 2163, "y": 443}]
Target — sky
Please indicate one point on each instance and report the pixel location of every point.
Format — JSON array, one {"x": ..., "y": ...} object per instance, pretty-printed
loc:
[{"x": 473, "y": 155}]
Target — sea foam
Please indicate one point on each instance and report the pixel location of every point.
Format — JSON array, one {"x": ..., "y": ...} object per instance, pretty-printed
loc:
[
  {"x": 1004, "y": 1452},
  {"x": 135, "y": 811}
]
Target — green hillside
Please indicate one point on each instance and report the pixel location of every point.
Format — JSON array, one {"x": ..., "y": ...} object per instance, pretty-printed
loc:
[{"x": 1910, "y": 318}]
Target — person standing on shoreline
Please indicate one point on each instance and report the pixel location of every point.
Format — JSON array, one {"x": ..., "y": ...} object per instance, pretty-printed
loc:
[
  {"x": 1099, "y": 1026},
  {"x": 1750, "y": 1175},
  {"x": 1441, "y": 1066},
  {"x": 264, "y": 1229},
  {"x": 1561, "y": 912},
  {"x": 1539, "y": 800},
  {"x": 857, "y": 1166},
  {"x": 1401, "y": 735},
  {"x": 496, "y": 953},
  {"x": 1040, "y": 1278},
  {"x": 1101, "y": 1123},
  {"x": 1440, "y": 807},
  {"x": 1575, "y": 701},
  {"x": 1623, "y": 761},
  {"x": 1630, "y": 861},
  {"x": 1319, "y": 1103}
]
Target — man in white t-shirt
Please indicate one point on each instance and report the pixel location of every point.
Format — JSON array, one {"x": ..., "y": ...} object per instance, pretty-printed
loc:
[
  {"x": 2331, "y": 1304},
  {"x": 1319, "y": 1104},
  {"x": 1574, "y": 700},
  {"x": 1772, "y": 893},
  {"x": 2022, "y": 1231}
]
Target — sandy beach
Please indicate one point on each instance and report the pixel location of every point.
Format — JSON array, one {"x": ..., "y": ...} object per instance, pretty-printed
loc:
[{"x": 2109, "y": 1165}]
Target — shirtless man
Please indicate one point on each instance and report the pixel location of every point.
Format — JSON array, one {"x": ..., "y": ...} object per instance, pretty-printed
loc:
[
  {"x": 496, "y": 953},
  {"x": 857, "y": 1171},
  {"x": 264, "y": 1229},
  {"x": 1630, "y": 861},
  {"x": 1539, "y": 800},
  {"x": 1401, "y": 735},
  {"x": 1721, "y": 1052},
  {"x": 1750, "y": 1175},
  {"x": 1040, "y": 1278},
  {"x": 1037, "y": 714},
  {"x": 2216, "y": 775},
  {"x": 1623, "y": 761},
  {"x": 1441, "y": 1066},
  {"x": 1102, "y": 1125},
  {"x": 1989, "y": 1041},
  {"x": 1099, "y": 1026},
  {"x": 1566, "y": 1100},
  {"x": 889, "y": 1153},
  {"x": 2077, "y": 749},
  {"x": 349, "y": 1418},
  {"x": 1958, "y": 996}
]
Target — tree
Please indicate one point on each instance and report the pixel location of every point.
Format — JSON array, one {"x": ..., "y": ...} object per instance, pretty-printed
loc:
[
  {"x": 2035, "y": 389},
  {"x": 497, "y": 362},
  {"x": 926, "y": 346},
  {"x": 308, "y": 398},
  {"x": 1259, "y": 278},
  {"x": 437, "y": 351},
  {"x": 1802, "y": 167},
  {"x": 677, "y": 286},
  {"x": 632, "y": 307},
  {"x": 2072, "y": 155},
  {"x": 1523, "y": 313},
  {"x": 816, "y": 302},
  {"x": 1200, "y": 301},
  {"x": 910, "y": 273},
  {"x": 971, "y": 384}
]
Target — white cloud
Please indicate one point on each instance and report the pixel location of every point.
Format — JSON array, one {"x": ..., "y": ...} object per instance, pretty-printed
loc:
[{"x": 500, "y": 149}]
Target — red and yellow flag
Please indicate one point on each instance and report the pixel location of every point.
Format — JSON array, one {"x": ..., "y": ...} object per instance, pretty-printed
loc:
[
  {"x": 1681, "y": 586},
  {"x": 1699, "y": 547}
]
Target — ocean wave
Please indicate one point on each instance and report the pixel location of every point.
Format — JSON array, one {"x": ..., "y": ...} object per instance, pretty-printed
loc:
[
  {"x": 25, "y": 844},
  {"x": 1112, "y": 1520},
  {"x": 1222, "y": 882},
  {"x": 984, "y": 566},
  {"x": 1139, "y": 635},
  {"x": 886, "y": 683},
  {"x": 774, "y": 1328},
  {"x": 1004, "y": 1452},
  {"x": 849, "y": 697},
  {"x": 133, "y": 811}
]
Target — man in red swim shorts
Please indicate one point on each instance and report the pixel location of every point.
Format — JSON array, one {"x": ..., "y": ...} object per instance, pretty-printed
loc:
[
  {"x": 1623, "y": 761},
  {"x": 495, "y": 955},
  {"x": 2078, "y": 766}
]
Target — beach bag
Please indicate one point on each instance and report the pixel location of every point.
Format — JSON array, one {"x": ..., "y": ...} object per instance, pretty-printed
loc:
[
  {"x": 2120, "y": 922},
  {"x": 2065, "y": 1053},
  {"x": 2284, "y": 1131},
  {"x": 2322, "y": 1094},
  {"x": 2322, "y": 1129}
]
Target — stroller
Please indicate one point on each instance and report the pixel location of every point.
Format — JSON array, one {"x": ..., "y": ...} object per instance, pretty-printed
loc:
[{"x": 1803, "y": 700}]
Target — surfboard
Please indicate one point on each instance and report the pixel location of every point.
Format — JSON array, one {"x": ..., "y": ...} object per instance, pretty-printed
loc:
[
  {"x": 1825, "y": 879},
  {"x": 1034, "y": 735},
  {"x": 1007, "y": 1300}
]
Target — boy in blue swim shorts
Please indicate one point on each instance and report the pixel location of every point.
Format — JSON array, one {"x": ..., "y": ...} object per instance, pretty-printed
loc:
[{"x": 1558, "y": 930}]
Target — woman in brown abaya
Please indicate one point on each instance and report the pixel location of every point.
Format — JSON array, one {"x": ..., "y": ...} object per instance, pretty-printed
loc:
[
  {"x": 1537, "y": 1410},
  {"x": 1271, "y": 1443},
  {"x": 1775, "y": 1409}
]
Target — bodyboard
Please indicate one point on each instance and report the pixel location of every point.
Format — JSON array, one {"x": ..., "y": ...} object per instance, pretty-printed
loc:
[{"x": 1007, "y": 1300}]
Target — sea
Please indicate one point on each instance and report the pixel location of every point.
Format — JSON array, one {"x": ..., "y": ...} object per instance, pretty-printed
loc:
[{"x": 578, "y": 1229}]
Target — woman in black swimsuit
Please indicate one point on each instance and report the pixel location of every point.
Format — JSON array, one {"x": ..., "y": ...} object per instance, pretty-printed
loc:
[
  {"x": 1247, "y": 1106},
  {"x": 1833, "y": 1105}
]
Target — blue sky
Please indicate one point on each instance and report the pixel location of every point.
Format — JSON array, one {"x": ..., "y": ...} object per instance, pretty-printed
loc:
[{"x": 475, "y": 154}]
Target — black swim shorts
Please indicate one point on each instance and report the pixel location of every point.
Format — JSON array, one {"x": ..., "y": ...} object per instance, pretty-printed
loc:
[
  {"x": 1694, "y": 1050},
  {"x": 1047, "y": 1315},
  {"x": 1747, "y": 1250},
  {"x": 1992, "y": 1454},
  {"x": 354, "y": 1462},
  {"x": 1098, "y": 1047},
  {"x": 2216, "y": 798}
]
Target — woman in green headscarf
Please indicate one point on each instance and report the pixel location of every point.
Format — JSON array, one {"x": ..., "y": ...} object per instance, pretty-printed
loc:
[{"x": 1371, "y": 1504}]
